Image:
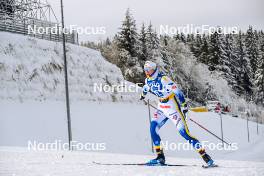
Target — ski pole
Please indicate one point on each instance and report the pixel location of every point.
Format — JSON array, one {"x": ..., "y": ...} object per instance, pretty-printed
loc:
[
  {"x": 209, "y": 131},
  {"x": 152, "y": 148},
  {"x": 196, "y": 124}
]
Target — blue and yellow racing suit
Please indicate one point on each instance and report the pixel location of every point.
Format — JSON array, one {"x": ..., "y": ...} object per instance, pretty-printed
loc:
[{"x": 169, "y": 107}]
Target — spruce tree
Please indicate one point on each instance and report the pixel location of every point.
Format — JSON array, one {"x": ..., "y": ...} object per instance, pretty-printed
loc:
[
  {"x": 244, "y": 80},
  {"x": 217, "y": 56},
  {"x": 182, "y": 37},
  {"x": 128, "y": 46},
  {"x": 152, "y": 38},
  {"x": 197, "y": 46},
  {"x": 127, "y": 36},
  {"x": 143, "y": 50},
  {"x": 259, "y": 76},
  {"x": 177, "y": 36},
  {"x": 229, "y": 65},
  {"x": 152, "y": 42},
  {"x": 204, "y": 50},
  {"x": 191, "y": 42},
  {"x": 252, "y": 49}
]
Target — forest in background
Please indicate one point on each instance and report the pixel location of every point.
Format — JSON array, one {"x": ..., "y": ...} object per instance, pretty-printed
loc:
[{"x": 237, "y": 58}]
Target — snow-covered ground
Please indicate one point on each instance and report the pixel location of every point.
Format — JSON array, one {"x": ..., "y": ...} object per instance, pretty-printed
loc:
[
  {"x": 32, "y": 108},
  {"x": 19, "y": 162},
  {"x": 123, "y": 127}
]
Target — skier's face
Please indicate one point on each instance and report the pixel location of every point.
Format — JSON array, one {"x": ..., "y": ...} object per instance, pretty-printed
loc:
[{"x": 149, "y": 72}]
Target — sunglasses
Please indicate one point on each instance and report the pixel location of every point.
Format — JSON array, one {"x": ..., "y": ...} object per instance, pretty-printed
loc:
[{"x": 147, "y": 69}]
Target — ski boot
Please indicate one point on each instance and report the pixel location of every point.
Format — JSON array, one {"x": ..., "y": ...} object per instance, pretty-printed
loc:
[
  {"x": 158, "y": 161},
  {"x": 207, "y": 159}
]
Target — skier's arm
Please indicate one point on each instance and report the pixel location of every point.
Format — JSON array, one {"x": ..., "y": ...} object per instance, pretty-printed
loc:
[
  {"x": 180, "y": 96},
  {"x": 171, "y": 87},
  {"x": 145, "y": 90}
]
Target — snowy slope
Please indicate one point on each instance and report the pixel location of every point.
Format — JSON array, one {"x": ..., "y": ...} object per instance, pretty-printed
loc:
[
  {"x": 124, "y": 128},
  {"x": 32, "y": 69}
]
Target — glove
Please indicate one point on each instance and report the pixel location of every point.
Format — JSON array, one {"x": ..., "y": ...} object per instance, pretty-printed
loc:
[
  {"x": 142, "y": 97},
  {"x": 184, "y": 108}
]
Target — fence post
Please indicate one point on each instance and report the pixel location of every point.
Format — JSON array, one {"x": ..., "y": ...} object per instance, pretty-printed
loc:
[
  {"x": 50, "y": 31},
  {"x": 42, "y": 36},
  {"x": 257, "y": 124},
  {"x": 222, "y": 133},
  {"x": 58, "y": 32},
  {"x": 247, "y": 126},
  {"x": 33, "y": 26},
  {"x": 218, "y": 110},
  {"x": 5, "y": 24},
  {"x": 24, "y": 22},
  {"x": 77, "y": 38}
]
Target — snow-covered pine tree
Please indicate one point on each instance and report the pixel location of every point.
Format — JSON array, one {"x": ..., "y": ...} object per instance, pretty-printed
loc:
[
  {"x": 197, "y": 46},
  {"x": 204, "y": 50},
  {"x": 183, "y": 37},
  {"x": 152, "y": 38},
  {"x": 164, "y": 40},
  {"x": 111, "y": 50},
  {"x": 165, "y": 54},
  {"x": 244, "y": 81},
  {"x": 128, "y": 50},
  {"x": 190, "y": 37},
  {"x": 190, "y": 40},
  {"x": 259, "y": 76},
  {"x": 143, "y": 48},
  {"x": 152, "y": 43},
  {"x": 217, "y": 56},
  {"x": 252, "y": 49},
  {"x": 177, "y": 36},
  {"x": 128, "y": 37},
  {"x": 107, "y": 42},
  {"x": 229, "y": 65}
]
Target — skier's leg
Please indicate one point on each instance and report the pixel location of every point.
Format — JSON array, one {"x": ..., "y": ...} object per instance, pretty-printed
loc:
[
  {"x": 156, "y": 123},
  {"x": 185, "y": 133},
  {"x": 180, "y": 122},
  {"x": 182, "y": 127}
]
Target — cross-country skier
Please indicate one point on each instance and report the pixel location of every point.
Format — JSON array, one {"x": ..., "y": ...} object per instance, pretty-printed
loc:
[{"x": 171, "y": 106}]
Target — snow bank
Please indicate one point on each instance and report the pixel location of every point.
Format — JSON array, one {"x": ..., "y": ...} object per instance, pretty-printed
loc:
[{"x": 32, "y": 69}]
